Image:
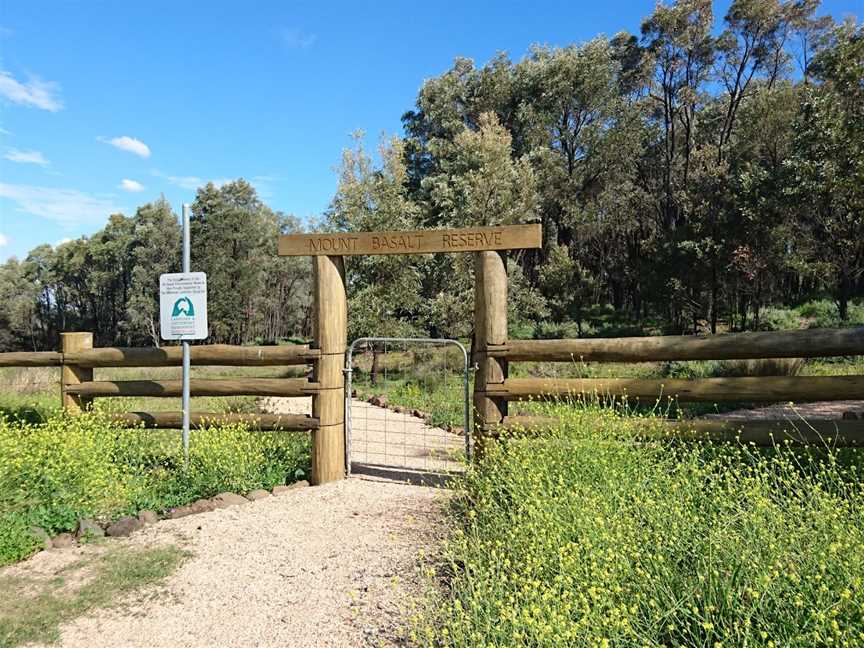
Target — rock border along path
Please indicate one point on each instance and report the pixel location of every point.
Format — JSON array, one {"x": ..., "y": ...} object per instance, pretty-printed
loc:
[{"x": 333, "y": 565}]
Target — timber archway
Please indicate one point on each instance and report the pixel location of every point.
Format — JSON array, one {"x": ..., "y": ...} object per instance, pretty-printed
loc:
[{"x": 330, "y": 311}]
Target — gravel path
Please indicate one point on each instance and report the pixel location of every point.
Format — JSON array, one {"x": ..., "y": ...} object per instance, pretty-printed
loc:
[
  {"x": 820, "y": 411},
  {"x": 380, "y": 436},
  {"x": 333, "y": 565}
]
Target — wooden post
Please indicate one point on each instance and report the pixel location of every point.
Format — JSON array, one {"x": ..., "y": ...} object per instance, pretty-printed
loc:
[
  {"x": 490, "y": 332},
  {"x": 331, "y": 338},
  {"x": 73, "y": 374}
]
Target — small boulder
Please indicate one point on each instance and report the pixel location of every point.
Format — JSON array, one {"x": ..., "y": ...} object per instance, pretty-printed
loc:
[
  {"x": 257, "y": 494},
  {"x": 378, "y": 401},
  {"x": 399, "y": 409},
  {"x": 281, "y": 489},
  {"x": 198, "y": 506},
  {"x": 180, "y": 512},
  {"x": 147, "y": 517},
  {"x": 88, "y": 529},
  {"x": 223, "y": 500},
  {"x": 124, "y": 526},
  {"x": 42, "y": 536},
  {"x": 63, "y": 540},
  {"x": 417, "y": 413},
  {"x": 202, "y": 506}
]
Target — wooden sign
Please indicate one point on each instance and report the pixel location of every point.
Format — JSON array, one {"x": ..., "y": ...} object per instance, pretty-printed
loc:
[{"x": 469, "y": 239}]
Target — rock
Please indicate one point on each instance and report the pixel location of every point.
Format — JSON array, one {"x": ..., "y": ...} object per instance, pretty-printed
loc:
[
  {"x": 180, "y": 512},
  {"x": 378, "y": 401},
  {"x": 198, "y": 506},
  {"x": 417, "y": 413},
  {"x": 63, "y": 541},
  {"x": 147, "y": 517},
  {"x": 399, "y": 409},
  {"x": 280, "y": 490},
  {"x": 850, "y": 416},
  {"x": 257, "y": 494},
  {"x": 124, "y": 526},
  {"x": 202, "y": 506},
  {"x": 88, "y": 529},
  {"x": 223, "y": 500},
  {"x": 42, "y": 536}
]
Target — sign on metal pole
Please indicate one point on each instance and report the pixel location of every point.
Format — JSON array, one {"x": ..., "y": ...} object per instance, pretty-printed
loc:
[
  {"x": 183, "y": 305},
  {"x": 183, "y": 315}
]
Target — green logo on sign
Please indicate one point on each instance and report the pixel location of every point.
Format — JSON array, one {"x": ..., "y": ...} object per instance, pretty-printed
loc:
[{"x": 183, "y": 308}]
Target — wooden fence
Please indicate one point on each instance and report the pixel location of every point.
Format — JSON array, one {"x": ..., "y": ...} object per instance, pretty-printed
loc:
[
  {"x": 77, "y": 360},
  {"x": 494, "y": 389},
  {"x": 78, "y": 388}
]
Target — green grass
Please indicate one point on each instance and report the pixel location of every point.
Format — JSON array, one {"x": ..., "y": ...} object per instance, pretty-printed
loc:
[
  {"x": 54, "y": 472},
  {"x": 32, "y": 609},
  {"x": 584, "y": 538}
]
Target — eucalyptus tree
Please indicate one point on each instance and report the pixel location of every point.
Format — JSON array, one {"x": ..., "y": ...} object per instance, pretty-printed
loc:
[{"x": 827, "y": 164}]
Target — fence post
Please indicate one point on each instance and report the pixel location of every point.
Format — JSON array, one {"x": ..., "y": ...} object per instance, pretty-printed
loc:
[
  {"x": 490, "y": 330},
  {"x": 73, "y": 374},
  {"x": 331, "y": 337}
]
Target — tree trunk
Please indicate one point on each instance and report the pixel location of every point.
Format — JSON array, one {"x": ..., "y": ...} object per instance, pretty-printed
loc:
[
  {"x": 376, "y": 366},
  {"x": 844, "y": 288}
]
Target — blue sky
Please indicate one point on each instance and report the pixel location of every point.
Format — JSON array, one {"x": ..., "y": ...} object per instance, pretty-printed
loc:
[{"x": 106, "y": 105}]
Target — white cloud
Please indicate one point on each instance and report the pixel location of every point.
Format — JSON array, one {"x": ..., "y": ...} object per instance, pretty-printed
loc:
[
  {"x": 185, "y": 182},
  {"x": 35, "y": 92},
  {"x": 130, "y": 185},
  {"x": 68, "y": 207},
  {"x": 26, "y": 157},
  {"x": 3, "y": 240},
  {"x": 126, "y": 143},
  {"x": 191, "y": 183},
  {"x": 62, "y": 241},
  {"x": 3, "y": 131},
  {"x": 297, "y": 39}
]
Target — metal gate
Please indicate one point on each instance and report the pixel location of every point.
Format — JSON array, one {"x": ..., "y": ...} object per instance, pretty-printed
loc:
[{"x": 405, "y": 403}]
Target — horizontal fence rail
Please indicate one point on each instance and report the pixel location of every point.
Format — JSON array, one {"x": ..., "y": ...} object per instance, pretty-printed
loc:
[
  {"x": 197, "y": 387},
  {"x": 203, "y": 355},
  {"x": 751, "y": 389},
  {"x": 811, "y": 343},
  {"x": 764, "y": 433},
  {"x": 174, "y": 420},
  {"x": 31, "y": 359}
]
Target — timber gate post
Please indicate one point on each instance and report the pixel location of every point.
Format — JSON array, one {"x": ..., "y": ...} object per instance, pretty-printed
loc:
[
  {"x": 330, "y": 310},
  {"x": 490, "y": 330},
  {"x": 73, "y": 374}
]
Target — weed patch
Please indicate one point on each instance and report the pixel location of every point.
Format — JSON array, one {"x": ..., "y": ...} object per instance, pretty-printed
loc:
[
  {"x": 585, "y": 537},
  {"x": 32, "y": 610}
]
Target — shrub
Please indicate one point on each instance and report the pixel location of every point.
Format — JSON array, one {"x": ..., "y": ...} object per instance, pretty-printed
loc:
[
  {"x": 53, "y": 473},
  {"x": 778, "y": 319},
  {"x": 760, "y": 367},
  {"x": 824, "y": 313},
  {"x": 583, "y": 538}
]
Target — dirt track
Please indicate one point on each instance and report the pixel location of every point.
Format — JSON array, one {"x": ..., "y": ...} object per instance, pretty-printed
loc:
[
  {"x": 381, "y": 436},
  {"x": 334, "y": 565}
]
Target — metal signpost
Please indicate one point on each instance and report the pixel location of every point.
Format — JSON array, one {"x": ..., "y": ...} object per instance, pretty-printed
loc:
[{"x": 183, "y": 315}]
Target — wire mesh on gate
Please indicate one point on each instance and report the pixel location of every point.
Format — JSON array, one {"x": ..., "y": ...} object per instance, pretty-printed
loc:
[{"x": 406, "y": 404}]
